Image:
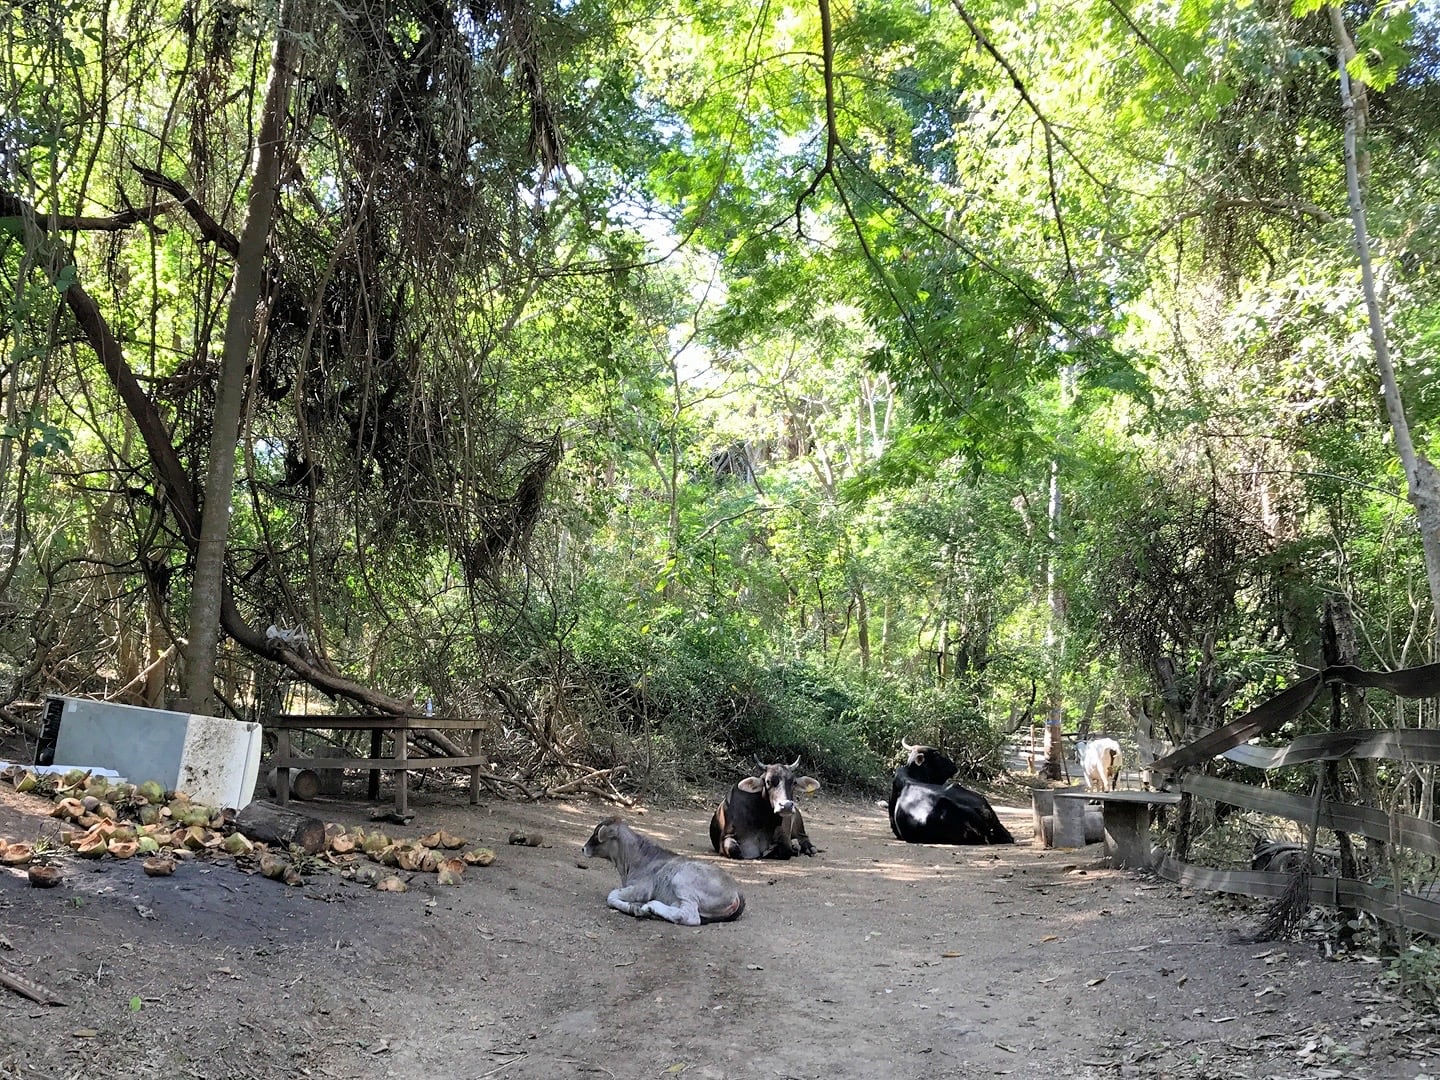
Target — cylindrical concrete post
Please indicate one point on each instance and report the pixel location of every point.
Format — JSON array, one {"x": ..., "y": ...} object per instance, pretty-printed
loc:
[{"x": 1070, "y": 821}]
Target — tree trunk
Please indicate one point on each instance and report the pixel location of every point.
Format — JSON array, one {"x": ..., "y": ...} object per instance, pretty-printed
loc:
[
  {"x": 208, "y": 587},
  {"x": 1421, "y": 477},
  {"x": 862, "y": 618},
  {"x": 1054, "y": 636},
  {"x": 1338, "y": 641}
]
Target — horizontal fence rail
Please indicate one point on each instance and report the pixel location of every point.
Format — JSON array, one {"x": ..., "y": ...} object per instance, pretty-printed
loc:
[
  {"x": 1381, "y": 901},
  {"x": 1404, "y": 829},
  {"x": 1420, "y": 746}
]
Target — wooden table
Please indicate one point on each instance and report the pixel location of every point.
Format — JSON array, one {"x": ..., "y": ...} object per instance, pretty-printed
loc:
[
  {"x": 1127, "y": 822},
  {"x": 399, "y": 762}
]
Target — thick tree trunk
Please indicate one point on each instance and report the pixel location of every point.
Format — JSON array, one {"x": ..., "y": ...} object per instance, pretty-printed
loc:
[
  {"x": 208, "y": 588},
  {"x": 172, "y": 481}
]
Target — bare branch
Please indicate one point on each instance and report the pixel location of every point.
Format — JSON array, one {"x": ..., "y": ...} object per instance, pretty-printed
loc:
[
  {"x": 1278, "y": 207},
  {"x": 13, "y": 212},
  {"x": 1144, "y": 38},
  {"x": 832, "y": 129},
  {"x": 211, "y": 229},
  {"x": 985, "y": 43}
]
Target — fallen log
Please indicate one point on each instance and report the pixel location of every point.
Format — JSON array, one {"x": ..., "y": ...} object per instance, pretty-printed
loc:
[{"x": 278, "y": 826}]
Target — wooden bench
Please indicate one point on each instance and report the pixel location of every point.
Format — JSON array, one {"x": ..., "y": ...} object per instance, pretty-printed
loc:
[
  {"x": 1127, "y": 822},
  {"x": 399, "y": 762}
]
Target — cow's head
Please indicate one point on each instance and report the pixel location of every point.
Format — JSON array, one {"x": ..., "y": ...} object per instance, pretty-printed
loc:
[
  {"x": 777, "y": 785},
  {"x": 927, "y": 764},
  {"x": 604, "y": 840}
]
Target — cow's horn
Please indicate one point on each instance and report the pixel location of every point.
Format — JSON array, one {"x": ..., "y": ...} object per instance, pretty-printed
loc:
[
  {"x": 906, "y": 746},
  {"x": 762, "y": 764},
  {"x": 796, "y": 763}
]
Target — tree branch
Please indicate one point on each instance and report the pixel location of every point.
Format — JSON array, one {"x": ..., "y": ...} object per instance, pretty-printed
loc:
[
  {"x": 832, "y": 127},
  {"x": 211, "y": 229},
  {"x": 13, "y": 211},
  {"x": 1270, "y": 206},
  {"x": 985, "y": 43},
  {"x": 1145, "y": 40}
]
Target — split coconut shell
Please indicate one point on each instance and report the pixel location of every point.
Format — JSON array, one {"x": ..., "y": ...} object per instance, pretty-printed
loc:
[
  {"x": 442, "y": 839},
  {"x": 16, "y": 854},
  {"x": 44, "y": 876},
  {"x": 123, "y": 849}
]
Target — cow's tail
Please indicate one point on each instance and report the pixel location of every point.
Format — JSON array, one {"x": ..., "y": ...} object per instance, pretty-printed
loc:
[{"x": 1112, "y": 768}]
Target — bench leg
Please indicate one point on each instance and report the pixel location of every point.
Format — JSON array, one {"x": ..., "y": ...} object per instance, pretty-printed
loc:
[
  {"x": 373, "y": 788},
  {"x": 402, "y": 757},
  {"x": 1127, "y": 835},
  {"x": 475, "y": 769},
  {"x": 1069, "y": 830},
  {"x": 1042, "y": 804},
  {"x": 282, "y": 773}
]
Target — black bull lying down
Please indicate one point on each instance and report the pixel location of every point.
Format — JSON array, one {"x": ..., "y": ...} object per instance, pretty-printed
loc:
[
  {"x": 758, "y": 819},
  {"x": 658, "y": 882},
  {"x": 925, "y": 810}
]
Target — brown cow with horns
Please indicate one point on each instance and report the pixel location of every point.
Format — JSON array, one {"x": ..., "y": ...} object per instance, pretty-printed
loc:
[{"x": 758, "y": 819}]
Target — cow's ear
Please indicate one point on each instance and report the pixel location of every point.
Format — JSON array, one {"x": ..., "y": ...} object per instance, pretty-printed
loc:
[
  {"x": 919, "y": 757},
  {"x": 807, "y": 785},
  {"x": 752, "y": 784}
]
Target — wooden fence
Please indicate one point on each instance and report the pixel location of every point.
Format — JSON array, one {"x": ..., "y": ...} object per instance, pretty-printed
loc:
[{"x": 1178, "y": 771}]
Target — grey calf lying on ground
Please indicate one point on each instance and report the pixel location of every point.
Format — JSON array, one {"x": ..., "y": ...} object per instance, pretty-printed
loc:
[{"x": 654, "y": 881}]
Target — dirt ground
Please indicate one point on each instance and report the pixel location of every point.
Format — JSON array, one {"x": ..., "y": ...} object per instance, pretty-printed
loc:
[{"x": 874, "y": 959}]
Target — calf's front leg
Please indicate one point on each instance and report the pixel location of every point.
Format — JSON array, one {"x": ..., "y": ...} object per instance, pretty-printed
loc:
[
  {"x": 631, "y": 899},
  {"x": 686, "y": 913}
]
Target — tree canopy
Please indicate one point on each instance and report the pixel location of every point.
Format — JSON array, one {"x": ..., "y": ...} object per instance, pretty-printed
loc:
[{"x": 684, "y": 380}]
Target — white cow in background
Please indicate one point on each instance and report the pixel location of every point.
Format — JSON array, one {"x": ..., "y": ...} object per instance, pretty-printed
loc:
[{"x": 1100, "y": 762}]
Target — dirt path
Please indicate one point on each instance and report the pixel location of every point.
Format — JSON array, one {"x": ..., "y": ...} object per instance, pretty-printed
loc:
[{"x": 873, "y": 960}]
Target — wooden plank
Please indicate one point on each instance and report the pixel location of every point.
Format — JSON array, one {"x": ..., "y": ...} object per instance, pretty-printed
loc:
[
  {"x": 1419, "y": 745},
  {"x": 1405, "y": 829},
  {"x": 1151, "y": 798},
  {"x": 1418, "y": 682},
  {"x": 300, "y": 762},
  {"x": 348, "y": 722},
  {"x": 1409, "y": 910},
  {"x": 1261, "y": 720}
]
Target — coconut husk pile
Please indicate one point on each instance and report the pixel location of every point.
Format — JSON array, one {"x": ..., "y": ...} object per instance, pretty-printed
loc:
[
  {"x": 124, "y": 820},
  {"x": 373, "y": 858}
]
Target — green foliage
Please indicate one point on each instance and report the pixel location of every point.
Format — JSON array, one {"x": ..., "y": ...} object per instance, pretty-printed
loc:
[
  {"x": 1415, "y": 972},
  {"x": 732, "y": 433}
]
